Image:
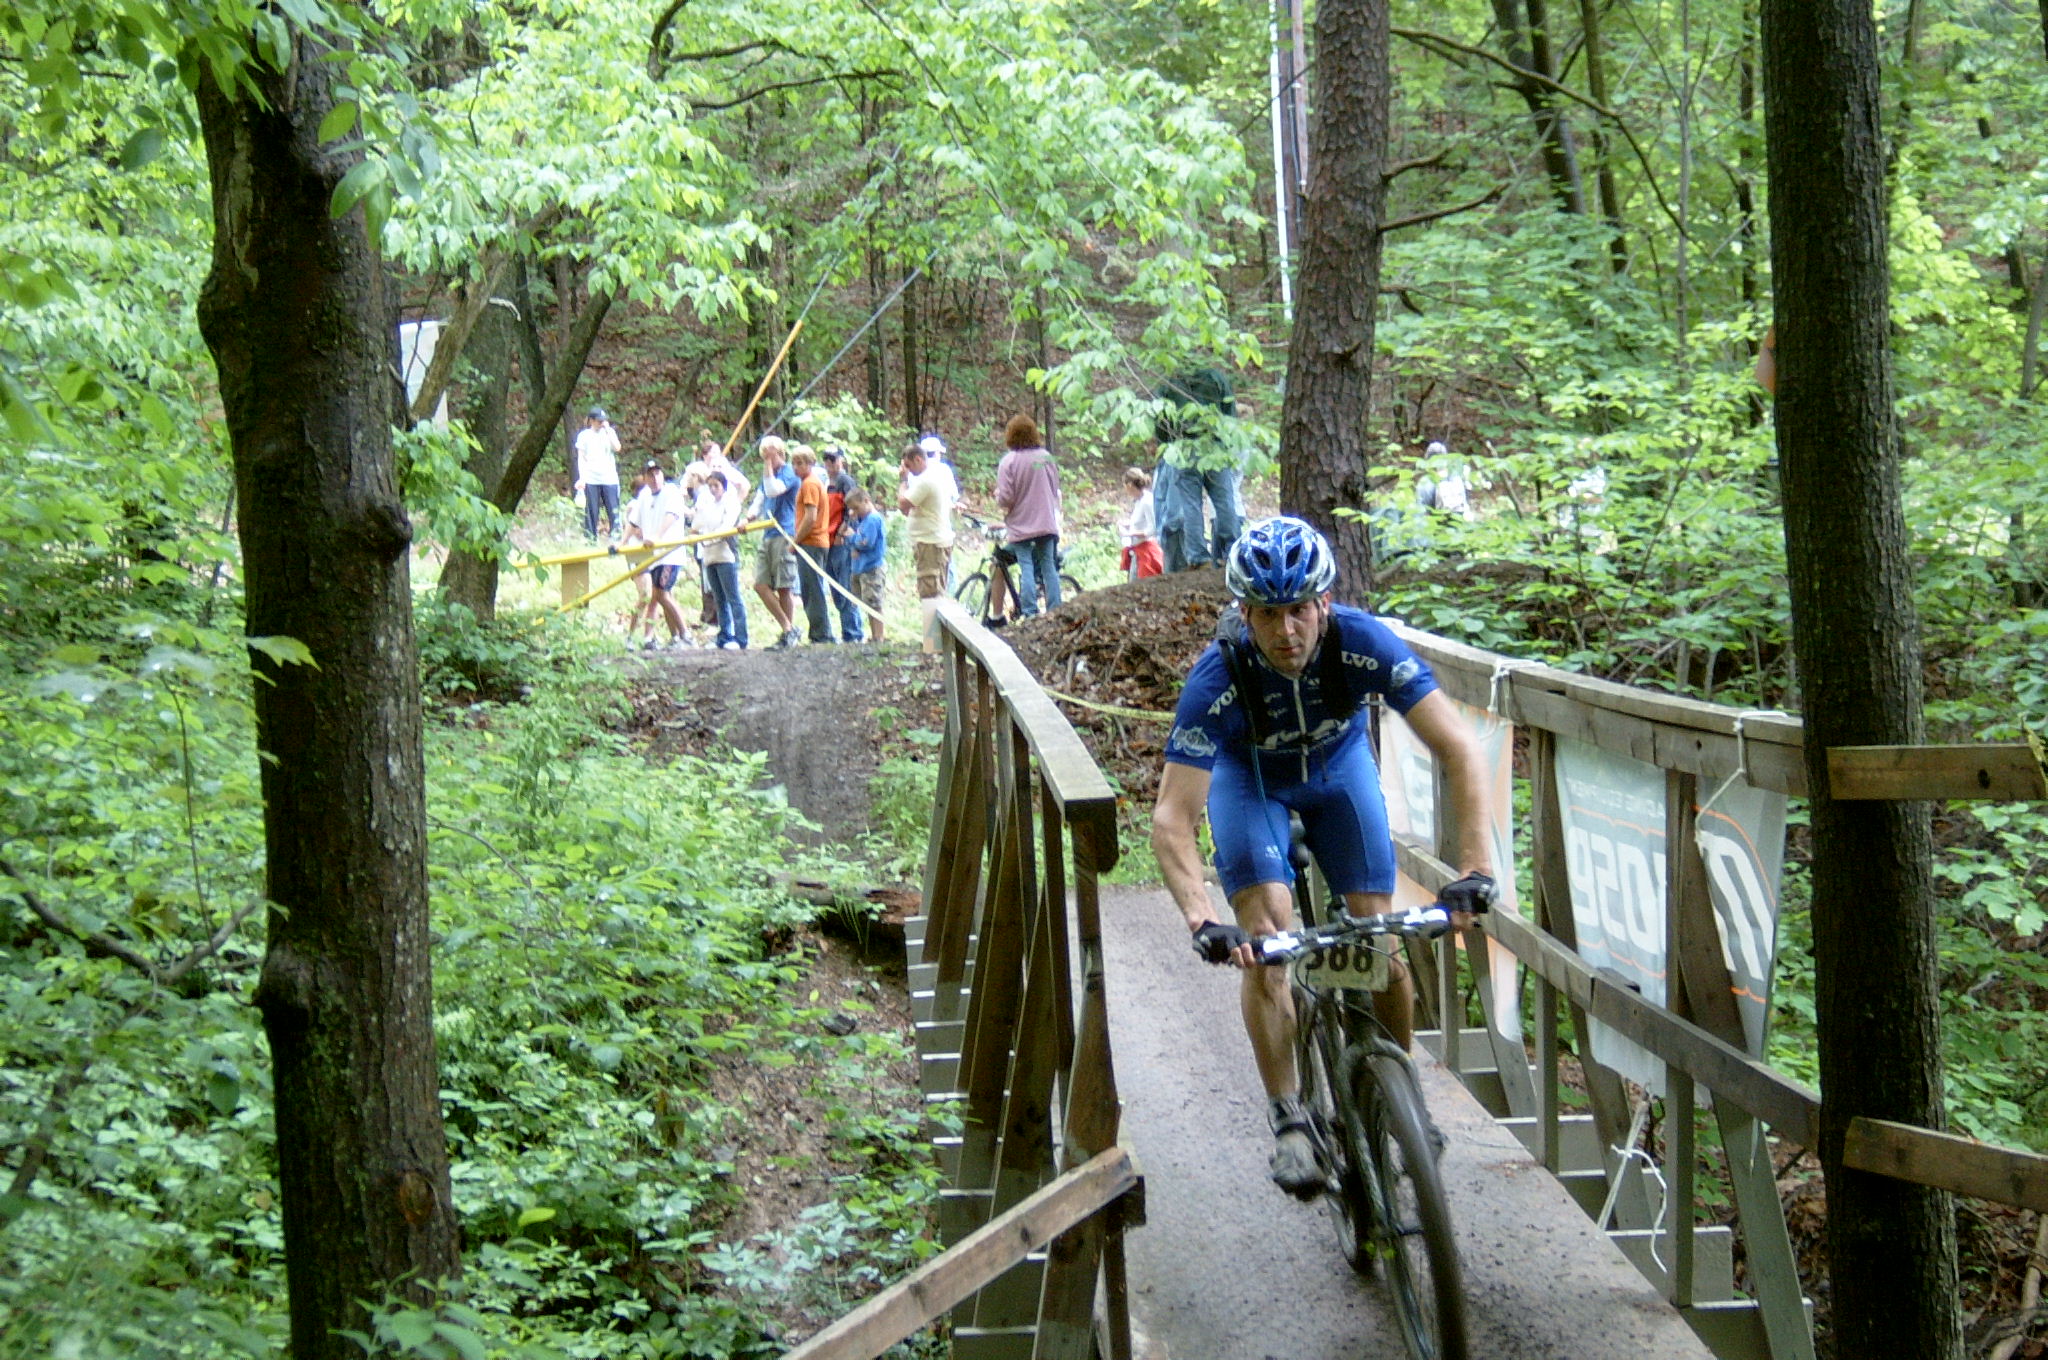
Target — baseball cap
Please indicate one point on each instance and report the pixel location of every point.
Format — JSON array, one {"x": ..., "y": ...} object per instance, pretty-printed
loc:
[
  {"x": 597, "y": 413},
  {"x": 933, "y": 446}
]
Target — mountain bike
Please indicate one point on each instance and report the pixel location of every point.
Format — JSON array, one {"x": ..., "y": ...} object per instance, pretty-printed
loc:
[
  {"x": 1373, "y": 1130},
  {"x": 973, "y": 592}
]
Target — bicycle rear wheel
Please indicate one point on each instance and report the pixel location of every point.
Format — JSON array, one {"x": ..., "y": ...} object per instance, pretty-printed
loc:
[
  {"x": 973, "y": 594},
  {"x": 1348, "y": 1199},
  {"x": 1412, "y": 1223}
]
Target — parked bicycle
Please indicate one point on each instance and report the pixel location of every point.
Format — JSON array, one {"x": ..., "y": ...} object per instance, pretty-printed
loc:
[
  {"x": 1374, "y": 1132},
  {"x": 995, "y": 605}
]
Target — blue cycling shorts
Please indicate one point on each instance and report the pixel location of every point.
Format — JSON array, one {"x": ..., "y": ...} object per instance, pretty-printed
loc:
[{"x": 1342, "y": 813}]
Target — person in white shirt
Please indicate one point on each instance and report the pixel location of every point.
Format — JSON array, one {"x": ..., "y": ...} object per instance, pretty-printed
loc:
[
  {"x": 717, "y": 512},
  {"x": 670, "y": 515},
  {"x": 927, "y": 494},
  {"x": 641, "y": 620},
  {"x": 597, "y": 472},
  {"x": 1137, "y": 529}
]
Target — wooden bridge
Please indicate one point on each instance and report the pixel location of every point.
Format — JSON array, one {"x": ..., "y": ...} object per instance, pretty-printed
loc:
[{"x": 1046, "y": 1212}]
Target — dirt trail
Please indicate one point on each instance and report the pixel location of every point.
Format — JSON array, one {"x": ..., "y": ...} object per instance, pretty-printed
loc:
[{"x": 824, "y": 716}]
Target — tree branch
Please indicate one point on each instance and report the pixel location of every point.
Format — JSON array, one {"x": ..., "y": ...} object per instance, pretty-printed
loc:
[
  {"x": 1418, "y": 163},
  {"x": 541, "y": 420},
  {"x": 1438, "y": 42},
  {"x": 96, "y": 944},
  {"x": 455, "y": 336},
  {"x": 105, "y": 946},
  {"x": 1417, "y": 219},
  {"x": 710, "y": 106}
]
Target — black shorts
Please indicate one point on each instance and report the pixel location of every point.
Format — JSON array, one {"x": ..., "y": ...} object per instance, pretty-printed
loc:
[
  {"x": 664, "y": 577},
  {"x": 1005, "y": 554}
]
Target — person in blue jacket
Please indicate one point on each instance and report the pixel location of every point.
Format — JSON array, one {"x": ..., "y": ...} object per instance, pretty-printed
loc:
[
  {"x": 870, "y": 545},
  {"x": 1272, "y": 721}
]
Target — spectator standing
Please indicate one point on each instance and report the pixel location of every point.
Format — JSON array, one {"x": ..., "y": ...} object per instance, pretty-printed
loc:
[
  {"x": 597, "y": 472},
  {"x": 1136, "y": 528},
  {"x": 641, "y": 620},
  {"x": 775, "y": 569},
  {"x": 926, "y": 495},
  {"x": 1443, "y": 483},
  {"x": 1028, "y": 494},
  {"x": 869, "y": 545},
  {"x": 814, "y": 540},
  {"x": 1195, "y": 460},
  {"x": 669, "y": 514},
  {"x": 721, "y": 511},
  {"x": 839, "y": 486}
]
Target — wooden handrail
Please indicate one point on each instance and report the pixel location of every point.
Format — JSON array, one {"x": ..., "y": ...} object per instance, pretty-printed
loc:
[
  {"x": 1784, "y": 1104},
  {"x": 1070, "y": 772},
  {"x": 1947, "y": 1161},
  {"x": 921, "y": 1296},
  {"x": 1667, "y": 730}
]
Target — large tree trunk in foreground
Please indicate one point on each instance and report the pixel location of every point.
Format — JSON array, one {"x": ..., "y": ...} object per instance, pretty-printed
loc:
[
  {"x": 293, "y": 314},
  {"x": 1323, "y": 455},
  {"x": 1891, "y": 1245}
]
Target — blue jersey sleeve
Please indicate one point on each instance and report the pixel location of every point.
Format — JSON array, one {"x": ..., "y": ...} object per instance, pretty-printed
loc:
[
  {"x": 1389, "y": 667},
  {"x": 1208, "y": 718}
]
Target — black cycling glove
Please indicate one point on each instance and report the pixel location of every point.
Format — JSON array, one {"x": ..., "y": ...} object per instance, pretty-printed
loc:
[
  {"x": 1473, "y": 893},
  {"x": 1215, "y": 942}
]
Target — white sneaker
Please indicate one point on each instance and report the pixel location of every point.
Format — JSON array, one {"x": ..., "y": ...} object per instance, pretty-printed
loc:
[
  {"x": 728, "y": 646},
  {"x": 680, "y": 643},
  {"x": 648, "y": 644}
]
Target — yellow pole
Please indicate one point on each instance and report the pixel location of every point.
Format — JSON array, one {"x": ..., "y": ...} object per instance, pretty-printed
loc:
[
  {"x": 657, "y": 550},
  {"x": 760, "y": 391}
]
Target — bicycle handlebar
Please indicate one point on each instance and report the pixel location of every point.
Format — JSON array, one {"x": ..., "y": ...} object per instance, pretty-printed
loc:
[{"x": 1426, "y": 923}]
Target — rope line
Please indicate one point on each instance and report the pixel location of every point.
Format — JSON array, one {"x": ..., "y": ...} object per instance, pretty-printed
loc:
[{"x": 1116, "y": 710}]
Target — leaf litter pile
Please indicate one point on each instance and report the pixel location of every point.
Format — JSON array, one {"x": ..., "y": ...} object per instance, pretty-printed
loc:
[{"x": 1128, "y": 646}]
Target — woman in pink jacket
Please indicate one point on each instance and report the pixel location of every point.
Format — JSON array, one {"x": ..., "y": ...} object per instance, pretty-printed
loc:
[{"x": 1028, "y": 494}]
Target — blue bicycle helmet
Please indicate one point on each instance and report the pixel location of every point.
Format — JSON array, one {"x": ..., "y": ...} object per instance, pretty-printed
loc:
[{"x": 1280, "y": 561}]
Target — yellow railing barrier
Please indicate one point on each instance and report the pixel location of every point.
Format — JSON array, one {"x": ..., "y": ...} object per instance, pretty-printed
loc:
[{"x": 576, "y": 588}]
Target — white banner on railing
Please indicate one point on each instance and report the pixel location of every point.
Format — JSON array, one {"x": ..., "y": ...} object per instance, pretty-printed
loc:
[
  {"x": 1615, "y": 852},
  {"x": 1741, "y": 835},
  {"x": 1408, "y": 776}
]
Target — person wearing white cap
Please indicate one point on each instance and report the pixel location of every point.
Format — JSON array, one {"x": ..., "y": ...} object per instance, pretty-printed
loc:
[{"x": 597, "y": 472}]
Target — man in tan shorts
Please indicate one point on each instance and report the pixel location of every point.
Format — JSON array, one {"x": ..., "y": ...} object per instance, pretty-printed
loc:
[{"x": 927, "y": 495}]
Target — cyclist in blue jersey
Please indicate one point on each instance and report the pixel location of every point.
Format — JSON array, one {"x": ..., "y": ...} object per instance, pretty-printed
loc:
[{"x": 1272, "y": 721}]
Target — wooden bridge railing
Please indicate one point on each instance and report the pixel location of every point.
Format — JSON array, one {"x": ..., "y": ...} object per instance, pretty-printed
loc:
[
  {"x": 1699, "y": 1038},
  {"x": 1039, "y": 1190}
]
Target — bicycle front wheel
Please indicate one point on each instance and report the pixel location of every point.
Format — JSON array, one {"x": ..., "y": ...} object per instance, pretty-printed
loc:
[
  {"x": 1069, "y": 587},
  {"x": 1412, "y": 1227},
  {"x": 973, "y": 594},
  {"x": 1347, "y": 1200}
]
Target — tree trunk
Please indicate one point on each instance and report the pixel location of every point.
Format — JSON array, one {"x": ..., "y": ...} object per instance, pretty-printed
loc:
[
  {"x": 1596, "y": 86},
  {"x": 878, "y": 346},
  {"x": 471, "y": 579},
  {"x": 1745, "y": 184},
  {"x": 293, "y": 315},
  {"x": 1891, "y": 1245},
  {"x": 533, "y": 365},
  {"x": 565, "y": 322},
  {"x": 1323, "y": 456},
  {"x": 1525, "y": 41},
  {"x": 913, "y": 409}
]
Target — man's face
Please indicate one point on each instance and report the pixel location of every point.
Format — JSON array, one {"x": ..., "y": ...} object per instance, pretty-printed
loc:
[
  {"x": 802, "y": 465},
  {"x": 1286, "y": 634},
  {"x": 913, "y": 464}
]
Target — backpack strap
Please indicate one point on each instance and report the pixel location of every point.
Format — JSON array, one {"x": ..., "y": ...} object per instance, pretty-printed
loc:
[{"x": 1233, "y": 640}]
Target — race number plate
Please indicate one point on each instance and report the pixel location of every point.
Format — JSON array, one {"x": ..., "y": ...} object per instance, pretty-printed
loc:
[{"x": 1357, "y": 967}]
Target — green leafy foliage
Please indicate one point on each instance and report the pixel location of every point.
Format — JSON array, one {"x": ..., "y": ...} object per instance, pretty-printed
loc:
[{"x": 607, "y": 944}]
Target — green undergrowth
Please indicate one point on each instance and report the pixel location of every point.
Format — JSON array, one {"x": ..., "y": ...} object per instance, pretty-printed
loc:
[{"x": 608, "y": 942}]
